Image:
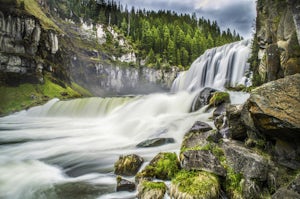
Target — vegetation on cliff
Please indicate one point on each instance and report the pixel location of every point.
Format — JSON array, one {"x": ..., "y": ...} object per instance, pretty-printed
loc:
[{"x": 162, "y": 38}]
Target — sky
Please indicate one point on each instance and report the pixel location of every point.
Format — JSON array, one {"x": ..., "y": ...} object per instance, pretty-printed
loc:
[{"x": 237, "y": 15}]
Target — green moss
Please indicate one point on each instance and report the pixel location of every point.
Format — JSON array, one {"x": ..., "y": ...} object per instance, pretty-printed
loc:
[
  {"x": 32, "y": 7},
  {"x": 81, "y": 90},
  {"x": 148, "y": 185},
  {"x": 198, "y": 184},
  {"x": 234, "y": 183},
  {"x": 219, "y": 98},
  {"x": 164, "y": 166},
  {"x": 27, "y": 95}
]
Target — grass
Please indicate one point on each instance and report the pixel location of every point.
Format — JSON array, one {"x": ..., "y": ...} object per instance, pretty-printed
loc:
[
  {"x": 27, "y": 95},
  {"x": 33, "y": 8}
]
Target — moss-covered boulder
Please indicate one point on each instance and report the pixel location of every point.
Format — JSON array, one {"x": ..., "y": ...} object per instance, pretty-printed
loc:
[
  {"x": 128, "y": 165},
  {"x": 163, "y": 166},
  {"x": 150, "y": 190},
  {"x": 195, "y": 185},
  {"x": 219, "y": 98}
]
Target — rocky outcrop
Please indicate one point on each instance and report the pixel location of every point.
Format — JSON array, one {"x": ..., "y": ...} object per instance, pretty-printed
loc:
[
  {"x": 128, "y": 165},
  {"x": 107, "y": 79},
  {"x": 24, "y": 45},
  {"x": 277, "y": 39},
  {"x": 274, "y": 108}
]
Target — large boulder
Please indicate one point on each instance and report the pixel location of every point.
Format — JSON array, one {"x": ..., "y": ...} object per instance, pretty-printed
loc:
[
  {"x": 202, "y": 98},
  {"x": 245, "y": 161},
  {"x": 163, "y": 166},
  {"x": 274, "y": 108},
  {"x": 128, "y": 165},
  {"x": 203, "y": 160},
  {"x": 197, "y": 136},
  {"x": 198, "y": 184},
  {"x": 236, "y": 127}
]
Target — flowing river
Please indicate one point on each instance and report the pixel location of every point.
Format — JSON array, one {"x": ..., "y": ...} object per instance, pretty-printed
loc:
[{"x": 67, "y": 149}]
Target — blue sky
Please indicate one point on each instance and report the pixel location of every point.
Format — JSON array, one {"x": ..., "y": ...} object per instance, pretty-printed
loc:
[{"x": 233, "y": 14}]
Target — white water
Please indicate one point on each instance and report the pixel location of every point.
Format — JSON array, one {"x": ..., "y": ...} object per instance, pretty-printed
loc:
[
  {"x": 66, "y": 149},
  {"x": 39, "y": 150},
  {"x": 217, "y": 68}
]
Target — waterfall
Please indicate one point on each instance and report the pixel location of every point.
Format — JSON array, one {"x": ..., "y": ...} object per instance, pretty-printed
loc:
[
  {"x": 69, "y": 147},
  {"x": 217, "y": 67}
]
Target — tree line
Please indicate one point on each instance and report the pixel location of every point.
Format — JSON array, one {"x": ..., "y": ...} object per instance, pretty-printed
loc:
[{"x": 163, "y": 38}]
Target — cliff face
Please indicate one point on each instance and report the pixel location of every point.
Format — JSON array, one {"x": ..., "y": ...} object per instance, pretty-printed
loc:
[
  {"x": 277, "y": 39},
  {"x": 24, "y": 46},
  {"x": 70, "y": 50}
]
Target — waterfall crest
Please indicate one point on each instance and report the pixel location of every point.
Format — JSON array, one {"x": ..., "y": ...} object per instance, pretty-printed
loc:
[
  {"x": 82, "y": 107},
  {"x": 217, "y": 67}
]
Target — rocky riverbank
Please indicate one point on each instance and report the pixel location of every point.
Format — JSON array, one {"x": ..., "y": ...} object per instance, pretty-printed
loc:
[{"x": 253, "y": 153}]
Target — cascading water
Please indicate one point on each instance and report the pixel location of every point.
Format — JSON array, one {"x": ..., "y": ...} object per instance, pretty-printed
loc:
[
  {"x": 216, "y": 68},
  {"x": 66, "y": 149}
]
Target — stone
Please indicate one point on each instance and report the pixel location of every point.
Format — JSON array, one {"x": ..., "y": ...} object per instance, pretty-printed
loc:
[
  {"x": 128, "y": 165},
  {"x": 199, "y": 126},
  {"x": 192, "y": 185},
  {"x": 291, "y": 191},
  {"x": 155, "y": 142},
  {"x": 273, "y": 107},
  {"x": 202, "y": 98},
  {"x": 163, "y": 166},
  {"x": 220, "y": 110},
  {"x": 245, "y": 161},
  {"x": 125, "y": 185},
  {"x": 151, "y": 190},
  {"x": 287, "y": 154},
  {"x": 237, "y": 129},
  {"x": 203, "y": 160}
]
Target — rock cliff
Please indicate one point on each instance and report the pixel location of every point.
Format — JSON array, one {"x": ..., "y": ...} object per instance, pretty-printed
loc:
[{"x": 276, "y": 49}]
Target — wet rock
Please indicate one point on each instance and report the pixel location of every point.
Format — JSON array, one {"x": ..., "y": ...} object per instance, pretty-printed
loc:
[
  {"x": 151, "y": 190},
  {"x": 74, "y": 190},
  {"x": 245, "y": 161},
  {"x": 199, "y": 126},
  {"x": 274, "y": 108},
  {"x": 163, "y": 166},
  {"x": 202, "y": 98},
  {"x": 237, "y": 129},
  {"x": 155, "y": 142},
  {"x": 128, "y": 165},
  {"x": 220, "y": 110},
  {"x": 125, "y": 185},
  {"x": 203, "y": 160},
  {"x": 190, "y": 185}
]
